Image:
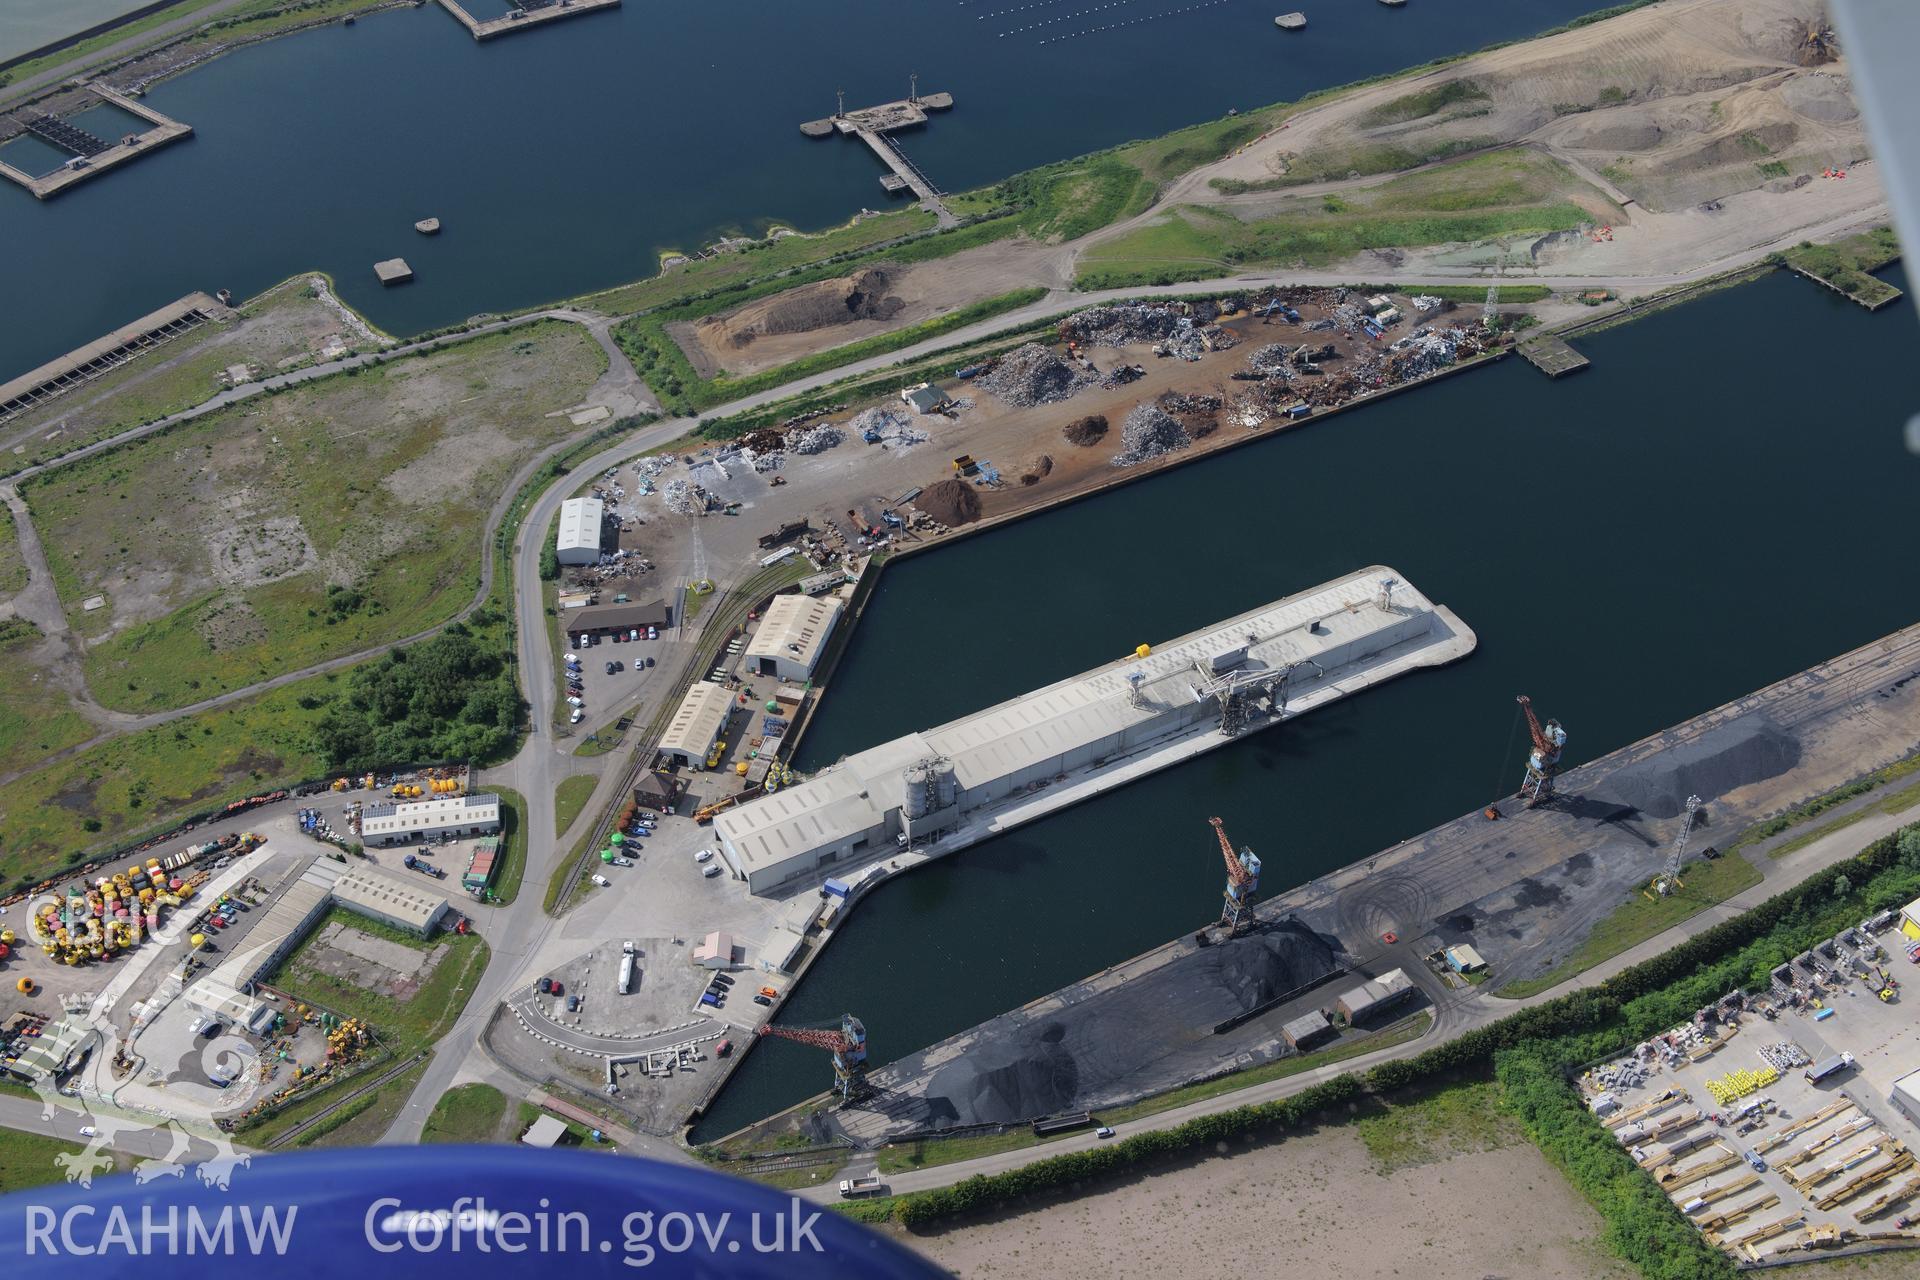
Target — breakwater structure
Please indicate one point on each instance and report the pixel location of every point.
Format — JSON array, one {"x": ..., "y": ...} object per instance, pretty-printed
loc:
[
  {"x": 925, "y": 795},
  {"x": 103, "y": 355},
  {"x": 89, "y": 156},
  {"x": 525, "y": 15},
  {"x": 1523, "y": 890},
  {"x": 875, "y": 125}
]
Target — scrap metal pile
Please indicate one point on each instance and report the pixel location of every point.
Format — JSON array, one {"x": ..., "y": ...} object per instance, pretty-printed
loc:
[
  {"x": 889, "y": 427},
  {"x": 1120, "y": 326},
  {"x": 1033, "y": 374},
  {"x": 1149, "y": 432},
  {"x": 678, "y": 497}
]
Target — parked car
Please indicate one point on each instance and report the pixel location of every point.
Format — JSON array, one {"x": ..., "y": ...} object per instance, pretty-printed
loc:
[
  {"x": 603, "y": 882},
  {"x": 711, "y": 870},
  {"x": 573, "y": 1003},
  {"x": 622, "y": 862},
  {"x": 710, "y": 1000},
  {"x": 1104, "y": 1131},
  {"x": 546, "y": 986},
  {"x": 723, "y": 979},
  {"x": 762, "y": 1000},
  {"x": 705, "y": 855},
  {"x": 575, "y": 718},
  {"x": 612, "y": 667},
  {"x": 559, "y": 988},
  {"x": 634, "y": 633},
  {"x": 653, "y": 633},
  {"x": 649, "y": 661}
]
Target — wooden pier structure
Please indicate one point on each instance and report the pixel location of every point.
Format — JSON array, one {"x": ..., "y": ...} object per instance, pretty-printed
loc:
[
  {"x": 524, "y": 16},
  {"x": 94, "y": 156},
  {"x": 1552, "y": 356},
  {"x": 872, "y": 125}
]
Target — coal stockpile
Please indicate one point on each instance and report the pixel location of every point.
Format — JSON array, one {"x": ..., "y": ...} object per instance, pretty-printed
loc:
[
  {"x": 1149, "y": 1033},
  {"x": 1723, "y": 759},
  {"x": 1031, "y": 375}
]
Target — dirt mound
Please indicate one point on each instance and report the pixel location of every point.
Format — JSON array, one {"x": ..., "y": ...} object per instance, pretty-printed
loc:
[
  {"x": 951, "y": 502},
  {"x": 821, "y": 305},
  {"x": 1042, "y": 467},
  {"x": 1723, "y": 759},
  {"x": 1090, "y": 430},
  {"x": 1826, "y": 98}
]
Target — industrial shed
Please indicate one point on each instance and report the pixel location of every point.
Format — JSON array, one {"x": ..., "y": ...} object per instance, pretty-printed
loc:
[
  {"x": 1307, "y": 1030},
  {"x": 577, "y": 540},
  {"x": 1374, "y": 996},
  {"x": 458, "y": 817},
  {"x": 404, "y": 904},
  {"x": 697, "y": 724},
  {"x": 791, "y": 637},
  {"x": 599, "y": 619}
]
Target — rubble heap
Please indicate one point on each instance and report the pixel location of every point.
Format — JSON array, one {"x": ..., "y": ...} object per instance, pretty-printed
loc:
[
  {"x": 1086, "y": 431},
  {"x": 1031, "y": 375},
  {"x": 1273, "y": 360},
  {"x": 677, "y": 496},
  {"x": 814, "y": 439},
  {"x": 1149, "y": 432}
]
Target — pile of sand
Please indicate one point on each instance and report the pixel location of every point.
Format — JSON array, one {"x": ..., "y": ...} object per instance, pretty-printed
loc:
[
  {"x": 951, "y": 502},
  {"x": 821, "y": 305},
  {"x": 1042, "y": 467},
  {"x": 1087, "y": 431}
]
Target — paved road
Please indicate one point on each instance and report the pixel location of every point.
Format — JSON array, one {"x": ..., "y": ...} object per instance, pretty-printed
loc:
[
  {"x": 1460, "y": 1017},
  {"x": 118, "y": 49}
]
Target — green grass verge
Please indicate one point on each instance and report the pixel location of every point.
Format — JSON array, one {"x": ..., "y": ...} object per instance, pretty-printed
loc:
[
  {"x": 513, "y": 845},
  {"x": 466, "y": 1113},
  {"x": 131, "y": 784},
  {"x": 1844, "y": 264},
  {"x": 309, "y": 457},
  {"x": 1642, "y": 916},
  {"x": 759, "y": 260},
  {"x": 1423, "y": 103},
  {"x": 1431, "y": 1124},
  {"x": 667, "y": 370},
  {"x": 36, "y": 716},
  {"x": 365, "y": 1120},
  {"x": 1479, "y": 198},
  {"x": 1478, "y": 293},
  {"x": 569, "y": 798},
  {"x": 13, "y": 569},
  {"x": 27, "y": 1159}
]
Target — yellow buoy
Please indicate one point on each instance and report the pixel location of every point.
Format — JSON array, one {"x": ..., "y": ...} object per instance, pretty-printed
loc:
[
  {"x": 198, "y": 939},
  {"x": 1143, "y": 651}
]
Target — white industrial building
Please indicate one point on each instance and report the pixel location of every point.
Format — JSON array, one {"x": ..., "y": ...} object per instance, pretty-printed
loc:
[
  {"x": 457, "y": 817},
  {"x": 1184, "y": 697},
  {"x": 1374, "y": 996},
  {"x": 578, "y": 540},
  {"x": 697, "y": 723},
  {"x": 404, "y": 904},
  {"x": 792, "y": 636}
]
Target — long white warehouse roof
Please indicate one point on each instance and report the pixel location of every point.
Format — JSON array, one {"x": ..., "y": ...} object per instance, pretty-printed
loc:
[
  {"x": 698, "y": 719},
  {"x": 795, "y": 629},
  {"x": 1321, "y": 627},
  {"x": 580, "y": 520},
  {"x": 388, "y": 819}
]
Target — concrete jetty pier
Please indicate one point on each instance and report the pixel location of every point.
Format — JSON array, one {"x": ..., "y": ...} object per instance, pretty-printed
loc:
[
  {"x": 1552, "y": 356},
  {"x": 94, "y": 156},
  {"x": 104, "y": 355},
  {"x": 929, "y": 794},
  {"x": 524, "y": 16},
  {"x": 872, "y": 125}
]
